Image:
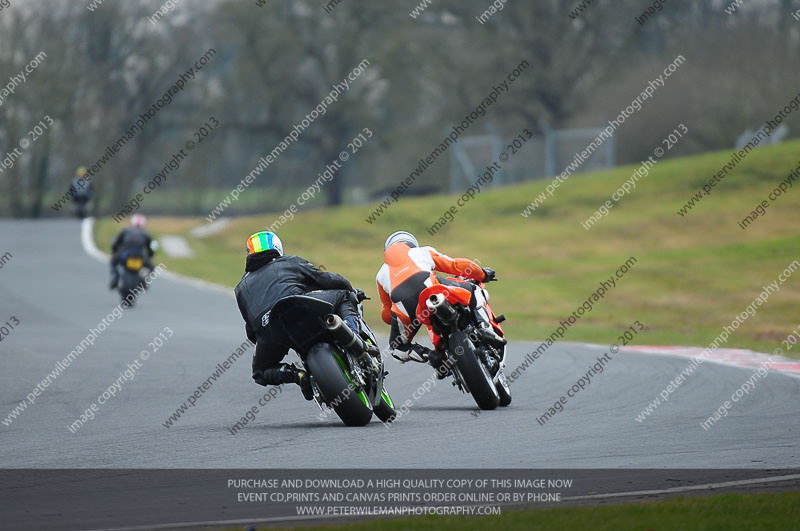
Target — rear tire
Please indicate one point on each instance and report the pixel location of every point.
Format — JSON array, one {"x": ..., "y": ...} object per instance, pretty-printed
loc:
[
  {"x": 474, "y": 373},
  {"x": 334, "y": 384},
  {"x": 128, "y": 299},
  {"x": 128, "y": 281}
]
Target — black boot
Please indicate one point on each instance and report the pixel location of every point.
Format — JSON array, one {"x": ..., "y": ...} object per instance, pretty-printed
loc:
[
  {"x": 434, "y": 357},
  {"x": 291, "y": 374},
  {"x": 436, "y": 360},
  {"x": 283, "y": 374},
  {"x": 304, "y": 381}
]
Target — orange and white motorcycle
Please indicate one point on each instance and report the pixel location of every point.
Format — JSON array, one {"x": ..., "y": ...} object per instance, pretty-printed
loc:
[{"x": 472, "y": 356}]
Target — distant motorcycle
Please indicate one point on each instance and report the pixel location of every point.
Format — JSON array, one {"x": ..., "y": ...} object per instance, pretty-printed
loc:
[
  {"x": 343, "y": 377},
  {"x": 130, "y": 273},
  {"x": 475, "y": 364},
  {"x": 81, "y": 207}
]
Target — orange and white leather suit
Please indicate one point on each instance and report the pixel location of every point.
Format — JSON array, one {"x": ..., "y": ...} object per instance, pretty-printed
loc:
[{"x": 406, "y": 272}]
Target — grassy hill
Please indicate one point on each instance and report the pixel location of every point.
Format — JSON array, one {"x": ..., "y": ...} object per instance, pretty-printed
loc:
[{"x": 694, "y": 274}]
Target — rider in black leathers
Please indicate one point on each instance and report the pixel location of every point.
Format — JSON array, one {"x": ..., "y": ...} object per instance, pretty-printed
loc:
[
  {"x": 81, "y": 191},
  {"x": 131, "y": 239},
  {"x": 270, "y": 276}
]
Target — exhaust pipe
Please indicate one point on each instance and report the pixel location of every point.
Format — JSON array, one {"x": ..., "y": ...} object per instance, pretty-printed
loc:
[
  {"x": 438, "y": 305},
  {"x": 343, "y": 335}
]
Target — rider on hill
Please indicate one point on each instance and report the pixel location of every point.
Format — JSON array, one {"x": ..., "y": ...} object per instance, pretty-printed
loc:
[
  {"x": 270, "y": 276},
  {"x": 407, "y": 271}
]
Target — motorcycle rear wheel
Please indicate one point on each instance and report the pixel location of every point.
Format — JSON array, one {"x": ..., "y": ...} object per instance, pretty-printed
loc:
[
  {"x": 128, "y": 280},
  {"x": 473, "y": 372},
  {"x": 331, "y": 376}
]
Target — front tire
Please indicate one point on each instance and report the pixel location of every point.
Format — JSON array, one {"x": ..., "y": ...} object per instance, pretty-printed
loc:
[
  {"x": 503, "y": 390},
  {"x": 473, "y": 372},
  {"x": 333, "y": 381},
  {"x": 385, "y": 409}
]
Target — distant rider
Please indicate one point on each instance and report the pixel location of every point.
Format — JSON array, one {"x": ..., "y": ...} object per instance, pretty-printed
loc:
[
  {"x": 271, "y": 276},
  {"x": 132, "y": 239},
  {"x": 81, "y": 191},
  {"x": 408, "y": 270}
]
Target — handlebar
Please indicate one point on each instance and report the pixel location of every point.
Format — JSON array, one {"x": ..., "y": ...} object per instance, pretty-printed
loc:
[
  {"x": 361, "y": 296},
  {"x": 476, "y": 282}
]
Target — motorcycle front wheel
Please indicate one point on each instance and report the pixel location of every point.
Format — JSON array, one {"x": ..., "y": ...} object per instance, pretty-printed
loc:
[
  {"x": 503, "y": 390},
  {"x": 385, "y": 409}
]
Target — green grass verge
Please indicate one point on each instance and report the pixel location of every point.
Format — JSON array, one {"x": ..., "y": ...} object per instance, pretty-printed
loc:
[
  {"x": 694, "y": 274},
  {"x": 723, "y": 512}
]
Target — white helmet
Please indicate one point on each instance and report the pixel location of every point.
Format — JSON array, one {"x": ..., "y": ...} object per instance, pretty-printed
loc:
[
  {"x": 138, "y": 220},
  {"x": 400, "y": 236}
]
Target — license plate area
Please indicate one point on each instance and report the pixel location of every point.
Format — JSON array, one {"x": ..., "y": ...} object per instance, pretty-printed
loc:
[{"x": 134, "y": 263}]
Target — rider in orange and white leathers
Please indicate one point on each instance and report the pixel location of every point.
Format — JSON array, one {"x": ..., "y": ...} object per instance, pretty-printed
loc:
[{"x": 407, "y": 270}]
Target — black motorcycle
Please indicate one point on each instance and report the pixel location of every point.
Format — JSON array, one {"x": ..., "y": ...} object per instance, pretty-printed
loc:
[
  {"x": 81, "y": 209},
  {"x": 130, "y": 272},
  {"x": 344, "y": 377}
]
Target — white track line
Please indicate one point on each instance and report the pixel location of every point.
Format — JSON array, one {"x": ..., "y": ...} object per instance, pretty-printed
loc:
[
  {"x": 87, "y": 241},
  {"x": 241, "y": 522},
  {"x": 674, "y": 490},
  {"x": 89, "y": 247},
  {"x": 730, "y": 357}
]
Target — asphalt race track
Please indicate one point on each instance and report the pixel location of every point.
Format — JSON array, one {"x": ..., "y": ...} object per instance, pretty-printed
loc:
[{"x": 57, "y": 293}]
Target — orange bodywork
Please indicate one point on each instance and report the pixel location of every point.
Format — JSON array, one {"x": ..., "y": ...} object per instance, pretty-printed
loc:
[
  {"x": 404, "y": 262},
  {"x": 454, "y": 295}
]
